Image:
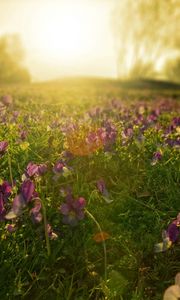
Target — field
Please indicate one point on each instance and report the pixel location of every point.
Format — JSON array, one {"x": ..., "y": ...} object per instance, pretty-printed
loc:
[{"x": 89, "y": 179}]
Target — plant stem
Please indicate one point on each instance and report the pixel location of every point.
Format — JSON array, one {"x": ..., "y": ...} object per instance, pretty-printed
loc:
[
  {"x": 46, "y": 229},
  {"x": 10, "y": 168},
  {"x": 104, "y": 244}
]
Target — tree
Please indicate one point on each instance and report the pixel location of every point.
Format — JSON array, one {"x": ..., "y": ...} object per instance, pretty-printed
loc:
[
  {"x": 146, "y": 34},
  {"x": 11, "y": 60}
]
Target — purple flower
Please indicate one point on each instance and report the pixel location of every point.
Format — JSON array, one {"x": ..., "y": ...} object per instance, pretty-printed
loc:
[
  {"x": 26, "y": 195},
  {"x": 102, "y": 188},
  {"x": 73, "y": 210},
  {"x": 173, "y": 232},
  {"x": 23, "y": 135},
  {"x": 35, "y": 211},
  {"x": 28, "y": 190},
  {"x": 52, "y": 235},
  {"x": 10, "y": 228},
  {"x": 156, "y": 157},
  {"x": 5, "y": 192},
  {"x": 34, "y": 170},
  {"x": 31, "y": 170},
  {"x": 3, "y": 147},
  {"x": 42, "y": 168},
  {"x": 58, "y": 167}
]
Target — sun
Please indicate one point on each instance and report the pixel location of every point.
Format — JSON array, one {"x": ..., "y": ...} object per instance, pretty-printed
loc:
[{"x": 63, "y": 31}]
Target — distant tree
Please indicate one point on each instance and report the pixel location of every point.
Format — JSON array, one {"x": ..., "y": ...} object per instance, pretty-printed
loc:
[
  {"x": 146, "y": 33},
  {"x": 11, "y": 60}
]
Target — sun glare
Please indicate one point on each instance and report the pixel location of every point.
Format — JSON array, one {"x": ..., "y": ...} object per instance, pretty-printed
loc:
[
  {"x": 64, "y": 32},
  {"x": 63, "y": 37}
]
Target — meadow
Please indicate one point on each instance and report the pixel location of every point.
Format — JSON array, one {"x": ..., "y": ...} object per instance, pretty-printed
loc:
[{"x": 89, "y": 180}]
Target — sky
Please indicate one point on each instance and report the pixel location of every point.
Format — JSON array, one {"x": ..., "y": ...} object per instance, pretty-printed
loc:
[{"x": 63, "y": 37}]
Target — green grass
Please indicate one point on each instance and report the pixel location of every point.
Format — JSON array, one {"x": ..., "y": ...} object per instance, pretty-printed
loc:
[{"x": 145, "y": 196}]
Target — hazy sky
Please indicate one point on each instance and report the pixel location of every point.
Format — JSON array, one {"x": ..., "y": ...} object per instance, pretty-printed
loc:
[{"x": 62, "y": 37}]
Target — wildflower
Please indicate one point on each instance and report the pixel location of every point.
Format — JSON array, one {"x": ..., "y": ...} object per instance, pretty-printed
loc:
[
  {"x": 23, "y": 135},
  {"x": 5, "y": 192},
  {"x": 102, "y": 189},
  {"x": 169, "y": 236},
  {"x": 10, "y": 228},
  {"x": 35, "y": 211},
  {"x": 34, "y": 170},
  {"x": 31, "y": 170},
  {"x": 52, "y": 235},
  {"x": 3, "y": 147},
  {"x": 26, "y": 195},
  {"x": 73, "y": 210},
  {"x": 156, "y": 157},
  {"x": 60, "y": 168},
  {"x": 28, "y": 190}
]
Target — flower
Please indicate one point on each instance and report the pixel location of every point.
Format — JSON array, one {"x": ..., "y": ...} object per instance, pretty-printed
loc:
[
  {"x": 169, "y": 236},
  {"x": 58, "y": 167},
  {"x": 35, "y": 211},
  {"x": 5, "y": 192},
  {"x": 26, "y": 195},
  {"x": 3, "y": 147},
  {"x": 28, "y": 190},
  {"x": 73, "y": 210},
  {"x": 52, "y": 235},
  {"x": 34, "y": 170},
  {"x": 101, "y": 187},
  {"x": 156, "y": 157},
  {"x": 10, "y": 228}
]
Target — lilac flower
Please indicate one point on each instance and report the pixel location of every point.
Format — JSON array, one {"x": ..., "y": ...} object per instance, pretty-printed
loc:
[
  {"x": 3, "y": 147},
  {"x": 23, "y": 135},
  {"x": 58, "y": 167},
  {"x": 34, "y": 170},
  {"x": 73, "y": 210},
  {"x": 111, "y": 132},
  {"x": 156, "y": 157},
  {"x": 127, "y": 134},
  {"x": 31, "y": 170},
  {"x": 173, "y": 232},
  {"x": 28, "y": 190},
  {"x": 10, "y": 228},
  {"x": 26, "y": 195},
  {"x": 35, "y": 211},
  {"x": 5, "y": 192},
  {"x": 52, "y": 235},
  {"x": 15, "y": 115},
  {"x": 42, "y": 168},
  {"x": 102, "y": 188},
  {"x": 173, "y": 142},
  {"x": 169, "y": 236}
]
